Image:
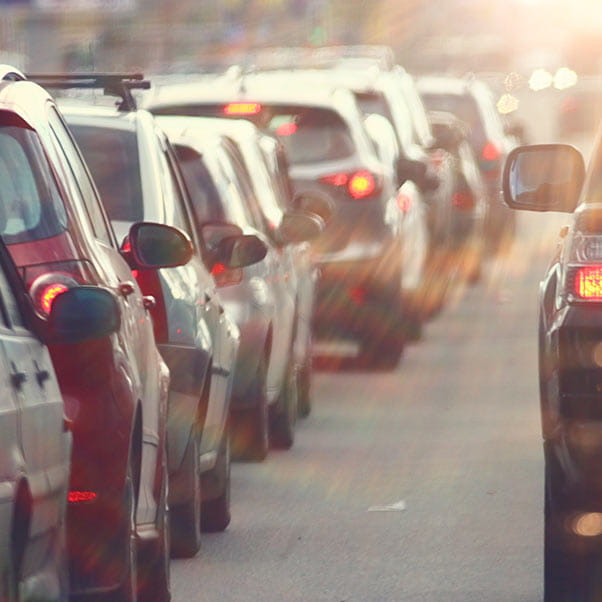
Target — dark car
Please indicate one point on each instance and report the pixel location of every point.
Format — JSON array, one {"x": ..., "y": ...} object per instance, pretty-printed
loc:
[
  {"x": 468, "y": 200},
  {"x": 359, "y": 253},
  {"x": 114, "y": 388},
  {"x": 138, "y": 178},
  {"x": 551, "y": 178},
  {"x": 265, "y": 303},
  {"x": 473, "y": 103}
]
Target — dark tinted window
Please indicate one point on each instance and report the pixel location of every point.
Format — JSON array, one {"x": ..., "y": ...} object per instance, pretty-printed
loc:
[
  {"x": 310, "y": 135},
  {"x": 203, "y": 194},
  {"x": 462, "y": 106},
  {"x": 30, "y": 205},
  {"x": 112, "y": 156}
]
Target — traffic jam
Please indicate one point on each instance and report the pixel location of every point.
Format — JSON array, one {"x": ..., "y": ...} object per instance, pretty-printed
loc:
[{"x": 183, "y": 260}]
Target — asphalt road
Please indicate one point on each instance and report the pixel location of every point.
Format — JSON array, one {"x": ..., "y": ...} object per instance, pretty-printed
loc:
[{"x": 419, "y": 485}]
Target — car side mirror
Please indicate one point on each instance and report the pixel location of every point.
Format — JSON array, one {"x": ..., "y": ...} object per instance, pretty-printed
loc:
[
  {"x": 83, "y": 313},
  {"x": 299, "y": 226},
  {"x": 544, "y": 177},
  {"x": 313, "y": 201},
  {"x": 239, "y": 251},
  {"x": 153, "y": 246}
]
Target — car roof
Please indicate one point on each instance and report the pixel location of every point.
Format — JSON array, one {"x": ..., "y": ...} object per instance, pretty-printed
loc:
[
  {"x": 266, "y": 87},
  {"x": 100, "y": 116},
  {"x": 26, "y": 99}
]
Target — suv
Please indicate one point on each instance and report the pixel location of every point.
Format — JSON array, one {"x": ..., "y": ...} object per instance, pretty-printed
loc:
[
  {"x": 359, "y": 253},
  {"x": 473, "y": 103},
  {"x": 114, "y": 388}
]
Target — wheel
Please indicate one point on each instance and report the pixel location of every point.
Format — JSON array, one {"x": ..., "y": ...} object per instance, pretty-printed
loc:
[
  {"x": 154, "y": 574},
  {"x": 185, "y": 518},
  {"x": 383, "y": 350},
  {"x": 215, "y": 515},
  {"x": 283, "y": 414},
  {"x": 249, "y": 427},
  {"x": 127, "y": 589},
  {"x": 572, "y": 564},
  {"x": 304, "y": 389}
]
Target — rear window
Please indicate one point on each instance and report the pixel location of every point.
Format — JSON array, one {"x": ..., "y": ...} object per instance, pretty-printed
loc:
[
  {"x": 310, "y": 135},
  {"x": 462, "y": 106},
  {"x": 30, "y": 204},
  {"x": 112, "y": 156}
]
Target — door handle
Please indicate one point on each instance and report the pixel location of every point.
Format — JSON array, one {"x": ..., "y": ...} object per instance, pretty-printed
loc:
[
  {"x": 126, "y": 288},
  {"x": 149, "y": 302},
  {"x": 17, "y": 378},
  {"x": 41, "y": 375}
]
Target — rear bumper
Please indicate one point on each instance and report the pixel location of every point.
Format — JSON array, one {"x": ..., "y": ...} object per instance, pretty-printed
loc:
[{"x": 356, "y": 298}]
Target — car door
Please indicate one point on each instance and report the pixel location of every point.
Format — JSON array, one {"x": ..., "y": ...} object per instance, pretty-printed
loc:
[
  {"x": 38, "y": 406},
  {"x": 141, "y": 364},
  {"x": 224, "y": 350}
]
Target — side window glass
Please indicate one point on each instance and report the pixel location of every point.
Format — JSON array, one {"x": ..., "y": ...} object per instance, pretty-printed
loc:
[
  {"x": 81, "y": 176},
  {"x": 10, "y": 314}
]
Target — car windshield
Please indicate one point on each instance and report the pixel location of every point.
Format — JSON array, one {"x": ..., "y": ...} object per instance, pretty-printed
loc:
[
  {"x": 112, "y": 156},
  {"x": 30, "y": 205}
]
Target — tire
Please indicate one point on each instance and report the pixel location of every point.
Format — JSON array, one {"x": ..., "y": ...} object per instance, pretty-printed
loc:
[
  {"x": 304, "y": 389},
  {"x": 249, "y": 427},
  {"x": 283, "y": 415},
  {"x": 127, "y": 589},
  {"x": 154, "y": 576},
  {"x": 571, "y": 564},
  {"x": 215, "y": 515},
  {"x": 185, "y": 518}
]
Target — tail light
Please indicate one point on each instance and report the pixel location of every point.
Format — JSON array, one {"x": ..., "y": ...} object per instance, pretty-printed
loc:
[
  {"x": 225, "y": 276},
  {"x": 583, "y": 276},
  {"x": 46, "y": 282},
  {"x": 242, "y": 108},
  {"x": 587, "y": 282},
  {"x": 490, "y": 153},
  {"x": 360, "y": 184},
  {"x": 463, "y": 200},
  {"x": 404, "y": 202},
  {"x": 77, "y": 496}
]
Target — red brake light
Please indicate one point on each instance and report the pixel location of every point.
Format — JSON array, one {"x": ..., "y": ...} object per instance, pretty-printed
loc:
[
  {"x": 46, "y": 288},
  {"x": 404, "y": 202},
  {"x": 287, "y": 129},
  {"x": 360, "y": 184},
  {"x": 242, "y": 108},
  {"x": 463, "y": 200},
  {"x": 73, "y": 497},
  {"x": 225, "y": 276},
  {"x": 490, "y": 152},
  {"x": 588, "y": 282}
]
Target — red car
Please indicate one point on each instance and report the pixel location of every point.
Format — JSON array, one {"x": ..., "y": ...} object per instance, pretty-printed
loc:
[{"x": 115, "y": 387}]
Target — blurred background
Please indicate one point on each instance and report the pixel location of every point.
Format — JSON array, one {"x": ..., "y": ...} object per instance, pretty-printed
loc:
[{"x": 539, "y": 56}]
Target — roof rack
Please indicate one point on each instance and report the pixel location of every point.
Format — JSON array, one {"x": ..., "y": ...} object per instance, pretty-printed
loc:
[{"x": 112, "y": 84}]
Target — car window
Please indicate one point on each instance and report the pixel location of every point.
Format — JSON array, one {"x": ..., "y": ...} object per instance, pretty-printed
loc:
[
  {"x": 113, "y": 158},
  {"x": 31, "y": 207},
  {"x": 311, "y": 135},
  {"x": 81, "y": 176},
  {"x": 10, "y": 313}
]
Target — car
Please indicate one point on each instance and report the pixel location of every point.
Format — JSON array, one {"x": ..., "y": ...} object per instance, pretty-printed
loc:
[
  {"x": 265, "y": 298},
  {"x": 138, "y": 177},
  {"x": 553, "y": 178},
  {"x": 36, "y": 440},
  {"x": 359, "y": 253},
  {"x": 115, "y": 388},
  {"x": 472, "y": 101},
  {"x": 467, "y": 236}
]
